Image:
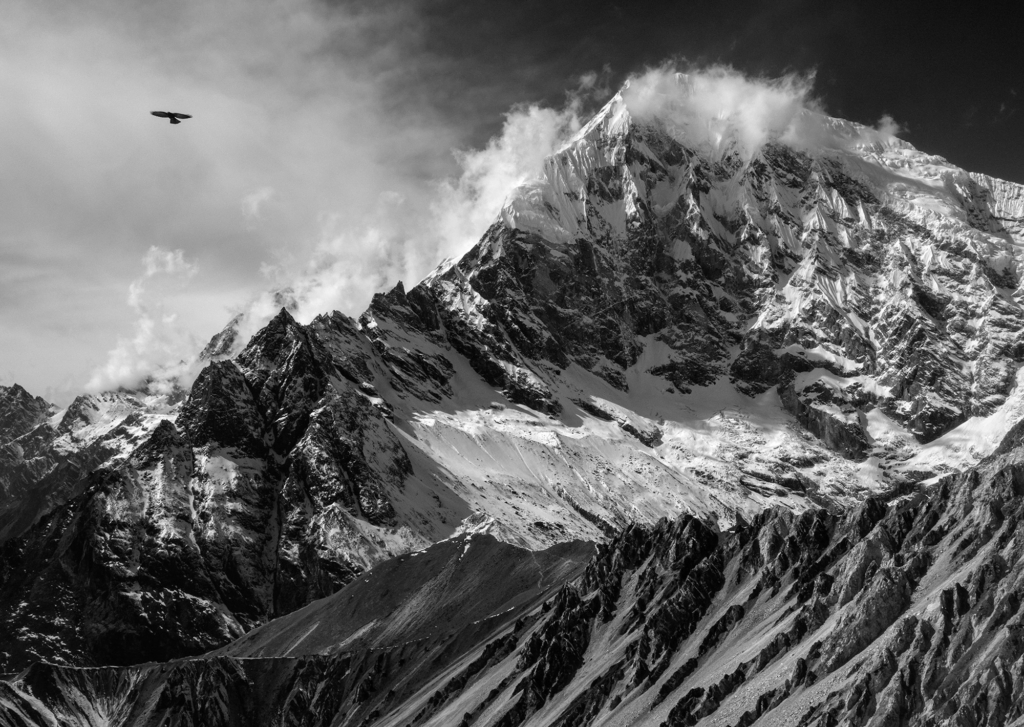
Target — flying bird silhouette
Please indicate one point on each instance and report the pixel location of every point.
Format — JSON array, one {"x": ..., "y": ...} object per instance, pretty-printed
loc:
[{"x": 174, "y": 117}]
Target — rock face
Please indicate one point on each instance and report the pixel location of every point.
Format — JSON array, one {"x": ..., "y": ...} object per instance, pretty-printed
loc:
[
  {"x": 20, "y": 412},
  {"x": 901, "y": 612},
  {"x": 182, "y": 532},
  {"x": 649, "y": 329},
  {"x": 49, "y": 462},
  {"x": 866, "y": 276}
]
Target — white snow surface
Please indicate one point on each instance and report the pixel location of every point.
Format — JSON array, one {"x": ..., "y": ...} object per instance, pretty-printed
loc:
[{"x": 514, "y": 466}]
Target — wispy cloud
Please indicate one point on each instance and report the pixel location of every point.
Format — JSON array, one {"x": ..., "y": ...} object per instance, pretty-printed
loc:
[
  {"x": 887, "y": 127},
  {"x": 159, "y": 343},
  {"x": 1007, "y": 108},
  {"x": 170, "y": 262},
  {"x": 287, "y": 95},
  {"x": 404, "y": 238},
  {"x": 719, "y": 110},
  {"x": 400, "y": 236},
  {"x": 706, "y": 107},
  {"x": 252, "y": 202}
]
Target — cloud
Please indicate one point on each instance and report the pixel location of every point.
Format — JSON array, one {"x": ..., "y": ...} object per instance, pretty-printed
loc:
[
  {"x": 1006, "y": 110},
  {"x": 160, "y": 350},
  {"x": 711, "y": 108},
  {"x": 595, "y": 85},
  {"x": 169, "y": 262},
  {"x": 888, "y": 128},
  {"x": 466, "y": 207},
  {"x": 158, "y": 356},
  {"x": 158, "y": 261},
  {"x": 343, "y": 186},
  {"x": 405, "y": 237},
  {"x": 252, "y": 202},
  {"x": 718, "y": 110},
  {"x": 292, "y": 120}
]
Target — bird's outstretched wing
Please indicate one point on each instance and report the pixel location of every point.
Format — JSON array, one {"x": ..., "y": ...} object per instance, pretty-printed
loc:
[{"x": 173, "y": 116}]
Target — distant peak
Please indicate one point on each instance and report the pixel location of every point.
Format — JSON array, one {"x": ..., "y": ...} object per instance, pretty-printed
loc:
[{"x": 284, "y": 317}]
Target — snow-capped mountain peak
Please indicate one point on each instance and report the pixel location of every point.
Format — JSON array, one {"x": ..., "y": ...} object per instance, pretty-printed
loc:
[{"x": 712, "y": 311}]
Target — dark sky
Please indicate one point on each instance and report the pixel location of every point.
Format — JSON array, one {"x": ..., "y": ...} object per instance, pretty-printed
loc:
[{"x": 950, "y": 79}]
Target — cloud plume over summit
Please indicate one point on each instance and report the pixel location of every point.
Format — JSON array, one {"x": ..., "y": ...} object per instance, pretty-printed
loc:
[{"x": 719, "y": 110}]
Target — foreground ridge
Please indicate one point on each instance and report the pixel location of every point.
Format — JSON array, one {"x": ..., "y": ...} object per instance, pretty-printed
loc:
[{"x": 894, "y": 613}]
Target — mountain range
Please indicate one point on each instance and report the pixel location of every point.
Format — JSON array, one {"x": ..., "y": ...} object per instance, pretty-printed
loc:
[{"x": 696, "y": 433}]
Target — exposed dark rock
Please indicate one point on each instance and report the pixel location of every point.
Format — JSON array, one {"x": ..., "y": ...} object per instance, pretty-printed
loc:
[
  {"x": 221, "y": 411},
  {"x": 197, "y": 532},
  {"x": 837, "y": 423},
  {"x": 911, "y": 607},
  {"x": 20, "y": 412}
]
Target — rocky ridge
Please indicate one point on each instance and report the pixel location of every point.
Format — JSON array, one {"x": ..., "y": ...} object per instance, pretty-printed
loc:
[
  {"x": 904, "y": 612},
  {"x": 186, "y": 529},
  {"x": 20, "y": 412}
]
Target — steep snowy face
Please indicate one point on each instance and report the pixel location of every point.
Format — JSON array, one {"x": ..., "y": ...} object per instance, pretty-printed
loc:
[
  {"x": 691, "y": 313},
  {"x": 56, "y": 449},
  {"x": 874, "y": 285}
]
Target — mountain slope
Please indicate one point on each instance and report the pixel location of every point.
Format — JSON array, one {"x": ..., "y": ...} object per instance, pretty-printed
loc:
[
  {"x": 904, "y": 613},
  {"x": 447, "y": 587},
  {"x": 20, "y": 412},
  {"x": 440, "y": 601}
]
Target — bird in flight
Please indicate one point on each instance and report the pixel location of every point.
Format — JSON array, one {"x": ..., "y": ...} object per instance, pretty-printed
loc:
[{"x": 174, "y": 117}]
